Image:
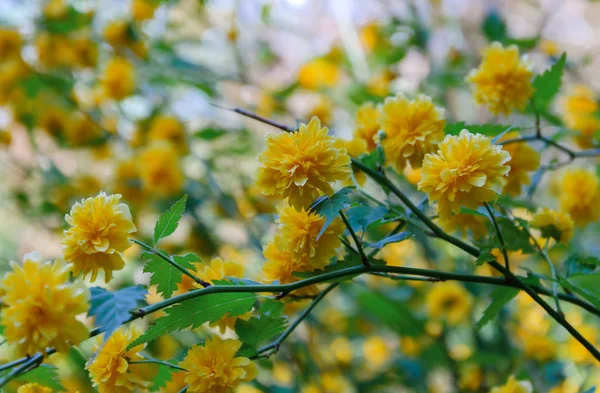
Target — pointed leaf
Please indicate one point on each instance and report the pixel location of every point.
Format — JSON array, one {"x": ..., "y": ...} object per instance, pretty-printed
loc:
[
  {"x": 329, "y": 207},
  {"x": 111, "y": 309},
  {"x": 167, "y": 223},
  {"x": 500, "y": 297},
  {"x": 164, "y": 275},
  {"x": 45, "y": 375},
  {"x": 547, "y": 85},
  {"x": 397, "y": 238},
  {"x": 257, "y": 331}
]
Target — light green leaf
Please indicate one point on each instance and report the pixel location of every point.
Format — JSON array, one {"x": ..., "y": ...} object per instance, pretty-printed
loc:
[
  {"x": 397, "y": 238},
  {"x": 163, "y": 376},
  {"x": 547, "y": 85},
  {"x": 484, "y": 257},
  {"x": 329, "y": 207},
  {"x": 257, "y": 331},
  {"x": 45, "y": 375},
  {"x": 489, "y": 130},
  {"x": 167, "y": 223},
  {"x": 195, "y": 312},
  {"x": 500, "y": 297},
  {"x": 164, "y": 275}
]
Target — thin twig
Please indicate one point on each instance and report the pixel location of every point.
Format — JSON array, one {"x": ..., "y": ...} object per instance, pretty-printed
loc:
[
  {"x": 499, "y": 233},
  {"x": 361, "y": 252},
  {"x": 149, "y": 360}
]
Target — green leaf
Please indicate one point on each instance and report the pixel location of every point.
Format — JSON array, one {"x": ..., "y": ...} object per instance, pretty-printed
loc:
[
  {"x": 494, "y": 27},
  {"x": 162, "y": 377},
  {"x": 547, "y": 85},
  {"x": 329, "y": 207},
  {"x": 577, "y": 264},
  {"x": 393, "y": 313},
  {"x": 257, "y": 331},
  {"x": 45, "y": 375},
  {"x": 195, "y": 312},
  {"x": 500, "y": 297},
  {"x": 111, "y": 309},
  {"x": 397, "y": 238},
  {"x": 164, "y": 275},
  {"x": 484, "y": 257},
  {"x": 361, "y": 217},
  {"x": 515, "y": 235},
  {"x": 489, "y": 130},
  {"x": 272, "y": 307},
  {"x": 168, "y": 222},
  {"x": 583, "y": 285},
  {"x": 209, "y": 134}
]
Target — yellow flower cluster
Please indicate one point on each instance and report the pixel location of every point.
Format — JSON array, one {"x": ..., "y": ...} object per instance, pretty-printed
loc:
[
  {"x": 463, "y": 222},
  {"x": 34, "y": 388},
  {"x": 215, "y": 368},
  {"x": 467, "y": 170},
  {"x": 301, "y": 165},
  {"x": 554, "y": 223},
  {"x": 40, "y": 306},
  {"x": 513, "y": 386},
  {"x": 449, "y": 300},
  {"x": 110, "y": 369},
  {"x": 318, "y": 73},
  {"x": 502, "y": 81},
  {"x": 367, "y": 125},
  {"x": 98, "y": 235},
  {"x": 523, "y": 160},
  {"x": 580, "y": 110},
  {"x": 118, "y": 81},
  {"x": 580, "y": 196}
]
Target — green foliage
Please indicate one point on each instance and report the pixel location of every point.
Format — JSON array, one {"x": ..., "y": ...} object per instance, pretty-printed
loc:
[
  {"x": 494, "y": 26},
  {"x": 489, "y": 130},
  {"x": 210, "y": 133},
  {"x": 393, "y": 313},
  {"x": 329, "y": 207},
  {"x": 500, "y": 297},
  {"x": 484, "y": 257},
  {"x": 162, "y": 377},
  {"x": 585, "y": 285},
  {"x": 577, "y": 264},
  {"x": 111, "y": 309},
  {"x": 362, "y": 217},
  {"x": 168, "y": 222},
  {"x": 164, "y": 275},
  {"x": 257, "y": 331},
  {"x": 45, "y": 375},
  {"x": 547, "y": 85},
  {"x": 397, "y": 238},
  {"x": 515, "y": 233},
  {"x": 195, "y": 312}
]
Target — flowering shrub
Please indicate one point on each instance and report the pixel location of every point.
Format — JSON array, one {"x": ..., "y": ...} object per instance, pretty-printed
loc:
[{"x": 190, "y": 206}]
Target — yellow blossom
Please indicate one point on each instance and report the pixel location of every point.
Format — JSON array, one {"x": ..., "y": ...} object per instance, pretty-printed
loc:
[
  {"x": 539, "y": 347},
  {"x": 577, "y": 352},
  {"x": 5, "y": 137},
  {"x": 412, "y": 129},
  {"x": 318, "y": 73},
  {"x": 341, "y": 348},
  {"x": 366, "y": 127},
  {"x": 471, "y": 378},
  {"x": 98, "y": 235},
  {"x": 467, "y": 170},
  {"x": 54, "y": 50},
  {"x": 301, "y": 165},
  {"x": 118, "y": 80},
  {"x": 110, "y": 369},
  {"x": 10, "y": 43},
  {"x": 355, "y": 148},
  {"x": 554, "y": 224},
  {"x": 168, "y": 128},
  {"x": 513, "y": 386},
  {"x": 214, "y": 368},
  {"x": 40, "y": 306},
  {"x": 579, "y": 110},
  {"x": 550, "y": 48},
  {"x": 463, "y": 222},
  {"x": 121, "y": 34},
  {"x": 161, "y": 170},
  {"x": 143, "y": 9},
  {"x": 34, "y": 388},
  {"x": 85, "y": 52},
  {"x": 502, "y": 81},
  {"x": 377, "y": 351},
  {"x": 219, "y": 269},
  {"x": 449, "y": 300},
  {"x": 322, "y": 109},
  {"x": 379, "y": 83},
  {"x": 55, "y": 121},
  {"x": 580, "y": 196},
  {"x": 127, "y": 182},
  {"x": 176, "y": 384},
  {"x": 523, "y": 160}
]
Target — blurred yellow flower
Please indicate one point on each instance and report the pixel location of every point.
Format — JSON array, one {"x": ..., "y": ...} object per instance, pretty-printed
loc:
[
  {"x": 366, "y": 125},
  {"x": 85, "y": 52},
  {"x": 161, "y": 170},
  {"x": 54, "y": 50},
  {"x": 523, "y": 159},
  {"x": 214, "y": 368},
  {"x": 34, "y": 388},
  {"x": 575, "y": 351},
  {"x": 40, "y": 306},
  {"x": 176, "y": 384},
  {"x": 502, "y": 81},
  {"x": 377, "y": 351},
  {"x": 579, "y": 112},
  {"x": 554, "y": 223},
  {"x": 5, "y": 137},
  {"x": 318, "y": 73},
  {"x": 143, "y": 9},
  {"x": 449, "y": 300},
  {"x": 170, "y": 129},
  {"x": 463, "y": 222},
  {"x": 110, "y": 369},
  {"x": 550, "y": 48},
  {"x": 412, "y": 129},
  {"x": 341, "y": 348},
  {"x": 301, "y": 165},
  {"x": 127, "y": 182},
  {"x": 121, "y": 34},
  {"x": 580, "y": 196},
  {"x": 471, "y": 378},
  {"x": 10, "y": 43},
  {"x": 513, "y": 386},
  {"x": 467, "y": 170},
  {"x": 98, "y": 235},
  {"x": 538, "y": 347},
  {"x": 247, "y": 388},
  {"x": 55, "y": 121},
  {"x": 298, "y": 233},
  {"x": 118, "y": 80}
]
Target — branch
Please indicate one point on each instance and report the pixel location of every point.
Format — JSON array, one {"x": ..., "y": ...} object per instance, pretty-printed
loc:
[
  {"x": 361, "y": 252},
  {"x": 499, "y": 233}
]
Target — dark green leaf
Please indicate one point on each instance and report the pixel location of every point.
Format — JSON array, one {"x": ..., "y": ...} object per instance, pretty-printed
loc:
[
  {"x": 329, "y": 207},
  {"x": 208, "y": 134},
  {"x": 168, "y": 222},
  {"x": 484, "y": 257},
  {"x": 515, "y": 235},
  {"x": 500, "y": 297},
  {"x": 111, "y": 309},
  {"x": 361, "y": 217},
  {"x": 397, "y": 238},
  {"x": 494, "y": 27},
  {"x": 547, "y": 85},
  {"x": 164, "y": 275},
  {"x": 195, "y": 312},
  {"x": 490, "y": 130},
  {"x": 45, "y": 375},
  {"x": 577, "y": 264},
  {"x": 257, "y": 331},
  {"x": 393, "y": 313},
  {"x": 162, "y": 377}
]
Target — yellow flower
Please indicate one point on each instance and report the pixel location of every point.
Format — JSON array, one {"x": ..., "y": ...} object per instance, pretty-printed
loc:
[
  {"x": 580, "y": 196},
  {"x": 463, "y": 222},
  {"x": 298, "y": 234},
  {"x": 55, "y": 121},
  {"x": 214, "y": 368},
  {"x": 127, "y": 182},
  {"x": 513, "y": 386},
  {"x": 301, "y": 165},
  {"x": 550, "y": 48},
  {"x": 34, "y": 388},
  {"x": 580, "y": 110},
  {"x": 377, "y": 351},
  {"x": 176, "y": 384},
  {"x": 318, "y": 73},
  {"x": 523, "y": 159},
  {"x": 449, "y": 300},
  {"x": 322, "y": 109},
  {"x": 467, "y": 170},
  {"x": 280, "y": 266},
  {"x": 170, "y": 129},
  {"x": 471, "y": 378},
  {"x": 110, "y": 369},
  {"x": 576, "y": 351},
  {"x": 143, "y": 9},
  {"x": 502, "y": 81},
  {"x": 366, "y": 124},
  {"x": 121, "y": 34},
  {"x": 412, "y": 128},
  {"x": 40, "y": 306},
  {"x": 5, "y": 137},
  {"x": 341, "y": 348},
  {"x": 161, "y": 170},
  {"x": 98, "y": 235},
  {"x": 118, "y": 80},
  {"x": 558, "y": 225},
  {"x": 54, "y": 50},
  {"x": 354, "y": 148},
  {"x": 219, "y": 269},
  {"x": 539, "y": 347},
  {"x": 85, "y": 52},
  {"x": 10, "y": 43}
]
